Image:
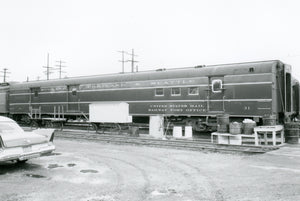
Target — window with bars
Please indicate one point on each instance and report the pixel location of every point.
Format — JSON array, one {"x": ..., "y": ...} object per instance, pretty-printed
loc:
[
  {"x": 175, "y": 92},
  {"x": 193, "y": 91},
  {"x": 159, "y": 92}
]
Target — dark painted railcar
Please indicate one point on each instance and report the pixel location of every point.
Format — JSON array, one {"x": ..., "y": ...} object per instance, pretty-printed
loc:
[
  {"x": 242, "y": 90},
  {"x": 4, "y": 88}
]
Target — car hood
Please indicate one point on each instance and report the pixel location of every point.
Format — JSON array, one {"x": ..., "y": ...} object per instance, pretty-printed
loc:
[{"x": 22, "y": 139}]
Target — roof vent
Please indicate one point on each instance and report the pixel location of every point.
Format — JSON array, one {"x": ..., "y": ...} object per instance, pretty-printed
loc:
[
  {"x": 200, "y": 66},
  {"x": 251, "y": 70}
]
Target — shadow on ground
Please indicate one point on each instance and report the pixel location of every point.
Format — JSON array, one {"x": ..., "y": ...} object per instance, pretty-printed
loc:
[{"x": 11, "y": 167}]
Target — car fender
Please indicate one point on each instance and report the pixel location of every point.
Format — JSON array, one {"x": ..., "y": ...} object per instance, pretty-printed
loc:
[{"x": 48, "y": 133}]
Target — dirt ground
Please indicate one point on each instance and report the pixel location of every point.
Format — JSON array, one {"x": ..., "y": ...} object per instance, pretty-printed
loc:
[{"x": 88, "y": 171}]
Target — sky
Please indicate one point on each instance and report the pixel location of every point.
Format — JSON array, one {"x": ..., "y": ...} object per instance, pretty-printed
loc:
[{"x": 87, "y": 34}]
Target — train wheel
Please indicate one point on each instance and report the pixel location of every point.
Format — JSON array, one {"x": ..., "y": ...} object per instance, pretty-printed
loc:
[
  {"x": 34, "y": 124},
  {"x": 25, "y": 119}
]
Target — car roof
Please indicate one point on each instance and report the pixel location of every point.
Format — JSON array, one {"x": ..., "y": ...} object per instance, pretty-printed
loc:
[{"x": 5, "y": 119}]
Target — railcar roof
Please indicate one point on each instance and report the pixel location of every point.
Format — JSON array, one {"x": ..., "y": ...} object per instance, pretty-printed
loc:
[{"x": 197, "y": 71}]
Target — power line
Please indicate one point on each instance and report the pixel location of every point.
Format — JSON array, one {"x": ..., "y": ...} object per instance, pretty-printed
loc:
[
  {"x": 48, "y": 71},
  {"x": 123, "y": 60},
  {"x": 5, "y": 72},
  {"x": 60, "y": 66},
  {"x": 132, "y": 60}
]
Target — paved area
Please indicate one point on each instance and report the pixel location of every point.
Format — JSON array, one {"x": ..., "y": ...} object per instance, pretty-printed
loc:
[{"x": 104, "y": 172}]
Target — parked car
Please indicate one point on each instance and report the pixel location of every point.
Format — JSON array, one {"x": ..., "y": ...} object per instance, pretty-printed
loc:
[{"x": 18, "y": 145}]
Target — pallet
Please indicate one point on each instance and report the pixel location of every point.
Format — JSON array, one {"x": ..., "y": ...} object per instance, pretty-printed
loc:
[{"x": 233, "y": 139}]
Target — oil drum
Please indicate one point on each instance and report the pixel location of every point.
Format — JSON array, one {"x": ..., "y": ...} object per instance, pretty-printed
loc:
[
  {"x": 269, "y": 120},
  {"x": 223, "y": 119},
  {"x": 291, "y": 132},
  {"x": 248, "y": 128},
  {"x": 223, "y": 128},
  {"x": 235, "y": 128},
  {"x": 223, "y": 123}
]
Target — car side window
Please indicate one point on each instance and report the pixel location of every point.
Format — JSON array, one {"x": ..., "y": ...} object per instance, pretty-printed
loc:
[
  {"x": 193, "y": 91},
  {"x": 175, "y": 92},
  {"x": 35, "y": 92},
  {"x": 159, "y": 92},
  {"x": 74, "y": 91}
]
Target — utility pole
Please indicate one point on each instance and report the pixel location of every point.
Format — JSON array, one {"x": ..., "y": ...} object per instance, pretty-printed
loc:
[
  {"x": 132, "y": 60},
  {"x": 5, "y": 72},
  {"x": 60, "y": 66},
  {"x": 48, "y": 72},
  {"x": 123, "y": 61}
]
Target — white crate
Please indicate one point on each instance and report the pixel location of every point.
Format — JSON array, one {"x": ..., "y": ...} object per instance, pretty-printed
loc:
[
  {"x": 109, "y": 112},
  {"x": 270, "y": 130}
]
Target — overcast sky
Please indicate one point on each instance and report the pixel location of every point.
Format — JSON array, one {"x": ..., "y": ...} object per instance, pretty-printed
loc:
[{"x": 87, "y": 34}]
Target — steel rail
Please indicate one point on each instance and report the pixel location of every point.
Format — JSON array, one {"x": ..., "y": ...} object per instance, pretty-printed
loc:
[{"x": 198, "y": 145}]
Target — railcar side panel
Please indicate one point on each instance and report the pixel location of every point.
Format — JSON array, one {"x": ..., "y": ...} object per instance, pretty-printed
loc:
[
  {"x": 242, "y": 90},
  {"x": 4, "y": 99}
]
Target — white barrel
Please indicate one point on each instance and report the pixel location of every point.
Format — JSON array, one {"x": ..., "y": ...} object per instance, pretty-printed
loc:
[
  {"x": 177, "y": 131},
  {"x": 188, "y": 132}
]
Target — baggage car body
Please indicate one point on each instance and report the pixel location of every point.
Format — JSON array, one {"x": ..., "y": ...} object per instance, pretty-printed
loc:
[{"x": 196, "y": 94}]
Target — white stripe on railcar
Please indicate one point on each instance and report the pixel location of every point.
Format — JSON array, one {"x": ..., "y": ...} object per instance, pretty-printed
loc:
[{"x": 147, "y": 101}]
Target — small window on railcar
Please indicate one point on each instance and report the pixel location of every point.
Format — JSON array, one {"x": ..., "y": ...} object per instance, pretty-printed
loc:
[
  {"x": 217, "y": 86},
  {"x": 193, "y": 91},
  {"x": 74, "y": 91},
  {"x": 175, "y": 92},
  {"x": 36, "y": 93},
  {"x": 159, "y": 92}
]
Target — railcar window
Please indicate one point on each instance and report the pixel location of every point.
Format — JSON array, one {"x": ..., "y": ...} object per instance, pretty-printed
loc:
[
  {"x": 193, "y": 91},
  {"x": 217, "y": 86},
  {"x": 74, "y": 91},
  {"x": 175, "y": 92},
  {"x": 36, "y": 93},
  {"x": 159, "y": 92}
]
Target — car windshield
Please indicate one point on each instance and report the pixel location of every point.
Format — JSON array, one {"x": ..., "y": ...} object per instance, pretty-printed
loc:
[{"x": 10, "y": 127}]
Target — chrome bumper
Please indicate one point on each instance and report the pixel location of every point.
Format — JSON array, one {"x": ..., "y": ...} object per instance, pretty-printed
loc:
[{"x": 4, "y": 156}]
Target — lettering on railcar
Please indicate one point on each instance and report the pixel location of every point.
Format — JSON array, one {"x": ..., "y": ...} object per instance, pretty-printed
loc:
[
  {"x": 140, "y": 84},
  {"x": 54, "y": 89},
  {"x": 176, "y": 108}
]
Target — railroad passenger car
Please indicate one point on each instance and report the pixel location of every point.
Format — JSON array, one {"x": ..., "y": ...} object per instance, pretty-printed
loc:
[
  {"x": 4, "y": 88},
  {"x": 195, "y": 94}
]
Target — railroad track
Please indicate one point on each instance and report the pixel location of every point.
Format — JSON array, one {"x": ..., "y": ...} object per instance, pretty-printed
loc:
[{"x": 195, "y": 144}]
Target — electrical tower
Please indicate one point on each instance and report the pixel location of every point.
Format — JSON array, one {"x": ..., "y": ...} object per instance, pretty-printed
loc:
[
  {"x": 132, "y": 60},
  {"x": 60, "y": 66},
  {"x": 48, "y": 68},
  {"x": 4, "y": 72},
  {"x": 123, "y": 61}
]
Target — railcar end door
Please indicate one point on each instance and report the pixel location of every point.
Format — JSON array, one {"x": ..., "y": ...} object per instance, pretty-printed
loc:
[
  {"x": 216, "y": 94},
  {"x": 35, "y": 97},
  {"x": 73, "y": 98}
]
